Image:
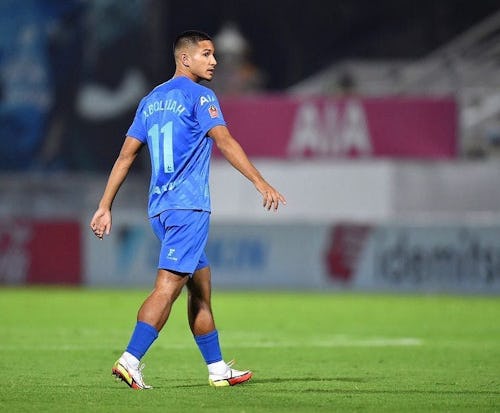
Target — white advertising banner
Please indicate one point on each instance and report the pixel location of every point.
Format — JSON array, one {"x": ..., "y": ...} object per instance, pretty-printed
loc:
[
  {"x": 284, "y": 256},
  {"x": 431, "y": 258},
  {"x": 240, "y": 255},
  {"x": 127, "y": 257},
  {"x": 406, "y": 258}
]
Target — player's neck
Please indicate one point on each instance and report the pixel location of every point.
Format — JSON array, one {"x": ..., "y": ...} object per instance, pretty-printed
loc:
[{"x": 179, "y": 72}]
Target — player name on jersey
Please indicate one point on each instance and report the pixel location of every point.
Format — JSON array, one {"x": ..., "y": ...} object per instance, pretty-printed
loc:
[{"x": 162, "y": 105}]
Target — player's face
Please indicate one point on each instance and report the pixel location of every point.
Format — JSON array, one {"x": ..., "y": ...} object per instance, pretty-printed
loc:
[{"x": 203, "y": 60}]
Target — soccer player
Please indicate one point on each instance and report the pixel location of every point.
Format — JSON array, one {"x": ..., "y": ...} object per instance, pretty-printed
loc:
[{"x": 178, "y": 121}]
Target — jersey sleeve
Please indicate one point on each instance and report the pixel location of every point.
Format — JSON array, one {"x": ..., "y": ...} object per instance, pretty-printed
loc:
[
  {"x": 208, "y": 111},
  {"x": 136, "y": 129}
]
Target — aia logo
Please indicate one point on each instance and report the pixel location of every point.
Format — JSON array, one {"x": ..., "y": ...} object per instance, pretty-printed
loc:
[{"x": 206, "y": 99}]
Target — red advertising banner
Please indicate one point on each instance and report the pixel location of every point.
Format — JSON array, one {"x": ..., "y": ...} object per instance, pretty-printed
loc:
[
  {"x": 297, "y": 127},
  {"x": 40, "y": 252}
]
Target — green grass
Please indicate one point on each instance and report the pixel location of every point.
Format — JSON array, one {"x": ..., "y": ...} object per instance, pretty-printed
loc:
[{"x": 309, "y": 353}]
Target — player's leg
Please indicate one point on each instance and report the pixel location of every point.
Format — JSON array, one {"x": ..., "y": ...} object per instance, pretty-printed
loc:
[
  {"x": 201, "y": 322},
  {"x": 183, "y": 235},
  {"x": 156, "y": 308},
  {"x": 200, "y": 315},
  {"x": 151, "y": 318}
]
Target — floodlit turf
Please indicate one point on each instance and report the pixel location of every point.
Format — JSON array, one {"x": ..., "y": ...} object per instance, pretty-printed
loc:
[{"x": 309, "y": 353}]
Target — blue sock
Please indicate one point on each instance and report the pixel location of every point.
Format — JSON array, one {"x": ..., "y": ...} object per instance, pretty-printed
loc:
[
  {"x": 142, "y": 338},
  {"x": 209, "y": 347}
]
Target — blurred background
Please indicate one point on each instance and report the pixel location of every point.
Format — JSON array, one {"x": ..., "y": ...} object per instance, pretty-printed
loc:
[{"x": 379, "y": 121}]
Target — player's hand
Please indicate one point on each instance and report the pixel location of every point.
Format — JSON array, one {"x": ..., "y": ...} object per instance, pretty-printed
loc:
[
  {"x": 271, "y": 198},
  {"x": 101, "y": 223}
]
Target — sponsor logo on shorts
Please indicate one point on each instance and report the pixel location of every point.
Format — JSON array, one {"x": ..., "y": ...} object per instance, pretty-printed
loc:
[{"x": 170, "y": 255}]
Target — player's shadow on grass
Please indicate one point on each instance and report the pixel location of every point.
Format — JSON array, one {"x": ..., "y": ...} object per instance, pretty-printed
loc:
[
  {"x": 316, "y": 379},
  {"x": 294, "y": 379}
]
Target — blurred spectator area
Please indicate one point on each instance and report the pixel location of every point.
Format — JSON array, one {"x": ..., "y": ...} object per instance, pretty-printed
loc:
[
  {"x": 70, "y": 81},
  {"x": 73, "y": 71}
]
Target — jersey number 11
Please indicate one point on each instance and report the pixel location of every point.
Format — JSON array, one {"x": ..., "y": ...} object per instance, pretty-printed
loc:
[{"x": 162, "y": 149}]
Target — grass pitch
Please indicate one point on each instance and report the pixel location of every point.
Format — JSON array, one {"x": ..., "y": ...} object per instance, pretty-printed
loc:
[{"x": 309, "y": 353}]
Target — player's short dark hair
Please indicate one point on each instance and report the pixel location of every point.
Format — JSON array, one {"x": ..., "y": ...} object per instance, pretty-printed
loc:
[{"x": 190, "y": 37}]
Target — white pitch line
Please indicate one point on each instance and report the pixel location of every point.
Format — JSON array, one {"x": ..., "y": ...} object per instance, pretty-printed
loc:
[
  {"x": 331, "y": 342},
  {"x": 234, "y": 341},
  {"x": 371, "y": 342}
]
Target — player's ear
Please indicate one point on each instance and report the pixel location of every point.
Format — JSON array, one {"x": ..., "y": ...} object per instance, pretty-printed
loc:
[{"x": 185, "y": 59}]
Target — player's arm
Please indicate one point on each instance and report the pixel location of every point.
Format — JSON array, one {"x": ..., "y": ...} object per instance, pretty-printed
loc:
[
  {"x": 236, "y": 156},
  {"x": 101, "y": 221}
]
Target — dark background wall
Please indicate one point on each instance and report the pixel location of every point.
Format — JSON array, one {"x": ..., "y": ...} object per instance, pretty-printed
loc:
[{"x": 294, "y": 39}]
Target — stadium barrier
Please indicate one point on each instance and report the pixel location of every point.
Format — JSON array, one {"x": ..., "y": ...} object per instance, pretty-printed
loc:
[
  {"x": 370, "y": 257},
  {"x": 383, "y": 257},
  {"x": 366, "y": 225}
]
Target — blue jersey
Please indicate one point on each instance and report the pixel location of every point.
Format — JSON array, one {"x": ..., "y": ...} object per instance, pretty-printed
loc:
[{"x": 173, "y": 120}]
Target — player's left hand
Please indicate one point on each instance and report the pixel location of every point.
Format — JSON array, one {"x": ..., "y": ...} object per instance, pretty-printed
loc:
[{"x": 271, "y": 198}]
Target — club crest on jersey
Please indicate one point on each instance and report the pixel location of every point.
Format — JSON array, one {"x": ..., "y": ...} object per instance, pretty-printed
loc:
[
  {"x": 212, "y": 110},
  {"x": 206, "y": 99}
]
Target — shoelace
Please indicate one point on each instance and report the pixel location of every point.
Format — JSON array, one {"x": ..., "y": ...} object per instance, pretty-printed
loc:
[{"x": 139, "y": 371}]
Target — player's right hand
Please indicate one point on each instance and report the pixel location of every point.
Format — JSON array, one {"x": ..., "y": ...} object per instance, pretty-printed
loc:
[{"x": 101, "y": 223}]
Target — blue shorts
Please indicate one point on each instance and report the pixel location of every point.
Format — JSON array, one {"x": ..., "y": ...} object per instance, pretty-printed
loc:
[{"x": 183, "y": 234}]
